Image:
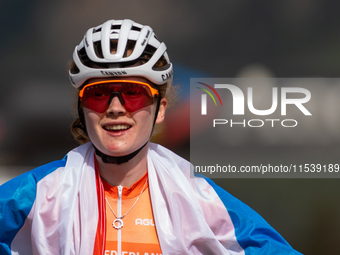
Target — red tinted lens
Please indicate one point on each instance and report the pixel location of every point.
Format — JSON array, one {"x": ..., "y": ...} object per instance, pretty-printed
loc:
[
  {"x": 135, "y": 96},
  {"x": 96, "y": 98}
]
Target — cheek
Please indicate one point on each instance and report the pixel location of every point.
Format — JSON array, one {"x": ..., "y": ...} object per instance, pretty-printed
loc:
[
  {"x": 144, "y": 119},
  {"x": 91, "y": 118}
]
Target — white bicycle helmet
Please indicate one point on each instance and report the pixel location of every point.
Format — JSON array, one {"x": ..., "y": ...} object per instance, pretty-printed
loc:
[{"x": 93, "y": 57}]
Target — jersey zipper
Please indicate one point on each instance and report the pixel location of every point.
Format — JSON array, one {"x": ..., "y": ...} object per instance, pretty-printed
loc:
[{"x": 119, "y": 209}]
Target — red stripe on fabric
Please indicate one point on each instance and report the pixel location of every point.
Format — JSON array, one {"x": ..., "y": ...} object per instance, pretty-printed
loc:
[{"x": 99, "y": 245}]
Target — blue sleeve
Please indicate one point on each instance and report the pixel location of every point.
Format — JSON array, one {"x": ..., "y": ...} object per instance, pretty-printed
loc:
[
  {"x": 253, "y": 233},
  {"x": 17, "y": 197}
]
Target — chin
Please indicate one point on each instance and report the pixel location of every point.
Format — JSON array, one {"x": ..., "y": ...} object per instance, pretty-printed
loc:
[{"x": 116, "y": 150}]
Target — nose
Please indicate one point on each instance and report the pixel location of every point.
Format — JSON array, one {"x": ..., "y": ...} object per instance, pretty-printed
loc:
[{"x": 116, "y": 104}]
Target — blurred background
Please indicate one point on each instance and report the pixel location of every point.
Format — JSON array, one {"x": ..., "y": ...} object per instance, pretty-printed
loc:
[{"x": 204, "y": 38}]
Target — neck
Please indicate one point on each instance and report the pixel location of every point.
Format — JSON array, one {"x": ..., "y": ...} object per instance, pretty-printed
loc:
[{"x": 126, "y": 173}]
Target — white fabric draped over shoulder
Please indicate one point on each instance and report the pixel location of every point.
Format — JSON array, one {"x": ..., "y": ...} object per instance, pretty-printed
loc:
[
  {"x": 64, "y": 216},
  {"x": 189, "y": 216}
]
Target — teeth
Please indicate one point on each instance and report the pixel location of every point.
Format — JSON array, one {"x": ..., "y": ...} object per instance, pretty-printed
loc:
[{"x": 117, "y": 127}]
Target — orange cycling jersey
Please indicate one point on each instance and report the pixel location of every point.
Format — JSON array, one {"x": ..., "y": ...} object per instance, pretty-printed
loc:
[{"x": 138, "y": 235}]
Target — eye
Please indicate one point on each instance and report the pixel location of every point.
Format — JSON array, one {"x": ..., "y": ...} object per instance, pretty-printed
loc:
[
  {"x": 134, "y": 92},
  {"x": 98, "y": 94}
]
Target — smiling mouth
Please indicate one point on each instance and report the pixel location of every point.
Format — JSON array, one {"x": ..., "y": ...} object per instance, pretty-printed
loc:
[{"x": 116, "y": 127}]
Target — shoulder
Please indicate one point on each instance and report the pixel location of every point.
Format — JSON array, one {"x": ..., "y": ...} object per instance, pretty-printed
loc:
[
  {"x": 22, "y": 189},
  {"x": 34, "y": 176},
  {"x": 167, "y": 156},
  {"x": 253, "y": 233},
  {"x": 17, "y": 198},
  {"x": 162, "y": 151},
  {"x": 31, "y": 178}
]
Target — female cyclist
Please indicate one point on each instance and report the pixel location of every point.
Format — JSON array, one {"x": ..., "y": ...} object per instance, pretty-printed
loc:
[{"x": 118, "y": 193}]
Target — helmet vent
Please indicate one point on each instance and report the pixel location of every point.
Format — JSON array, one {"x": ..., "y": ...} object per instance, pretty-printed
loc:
[
  {"x": 98, "y": 49},
  {"x": 74, "y": 69},
  {"x": 147, "y": 53},
  {"x": 161, "y": 65},
  {"x": 83, "y": 57},
  {"x": 136, "y": 29},
  {"x": 130, "y": 46},
  {"x": 115, "y": 27}
]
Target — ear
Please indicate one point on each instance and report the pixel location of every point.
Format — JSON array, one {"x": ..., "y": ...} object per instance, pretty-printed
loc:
[{"x": 161, "y": 112}]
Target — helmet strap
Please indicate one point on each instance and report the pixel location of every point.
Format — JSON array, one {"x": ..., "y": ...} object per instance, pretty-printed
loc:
[
  {"x": 156, "y": 114},
  {"x": 82, "y": 125},
  {"x": 117, "y": 160}
]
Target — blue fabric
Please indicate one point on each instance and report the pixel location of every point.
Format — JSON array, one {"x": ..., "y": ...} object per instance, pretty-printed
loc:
[
  {"x": 253, "y": 233},
  {"x": 17, "y": 197}
]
